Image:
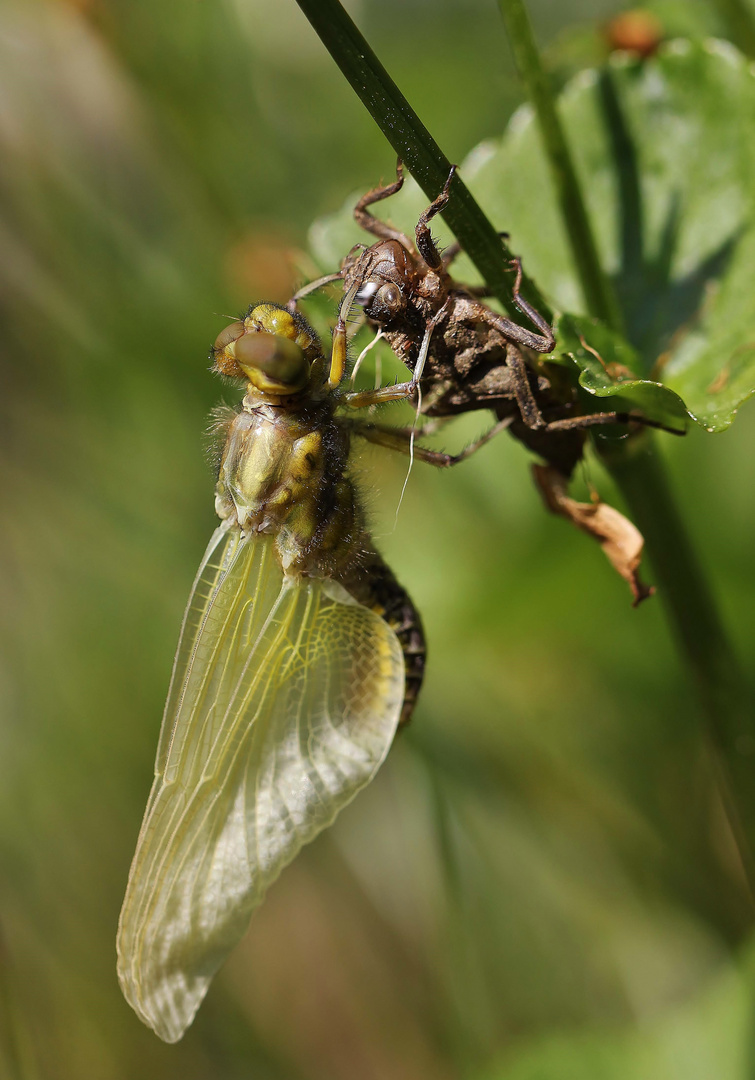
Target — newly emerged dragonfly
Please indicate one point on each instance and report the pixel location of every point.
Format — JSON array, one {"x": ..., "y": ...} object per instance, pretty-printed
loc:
[{"x": 299, "y": 657}]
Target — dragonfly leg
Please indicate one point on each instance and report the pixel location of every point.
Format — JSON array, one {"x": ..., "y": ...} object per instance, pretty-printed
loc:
[
  {"x": 541, "y": 343},
  {"x": 525, "y": 399},
  {"x": 374, "y": 225},
  {"x": 360, "y": 399},
  {"x": 313, "y": 286},
  {"x": 425, "y": 243},
  {"x": 364, "y": 399},
  {"x": 402, "y": 440},
  {"x": 575, "y": 423}
]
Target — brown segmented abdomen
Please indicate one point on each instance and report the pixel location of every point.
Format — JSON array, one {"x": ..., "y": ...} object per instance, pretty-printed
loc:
[{"x": 374, "y": 585}]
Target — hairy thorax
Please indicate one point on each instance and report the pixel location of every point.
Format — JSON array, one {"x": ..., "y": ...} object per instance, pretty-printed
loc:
[{"x": 283, "y": 472}]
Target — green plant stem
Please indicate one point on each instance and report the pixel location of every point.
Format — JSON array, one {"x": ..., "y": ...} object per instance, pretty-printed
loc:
[
  {"x": 600, "y": 298},
  {"x": 416, "y": 147},
  {"x": 720, "y": 686}
]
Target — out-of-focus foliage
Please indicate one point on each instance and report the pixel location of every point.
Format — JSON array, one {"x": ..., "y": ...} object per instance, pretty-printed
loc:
[
  {"x": 542, "y": 866},
  {"x": 707, "y": 1036}
]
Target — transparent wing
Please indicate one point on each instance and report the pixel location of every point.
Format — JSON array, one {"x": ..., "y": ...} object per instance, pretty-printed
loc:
[{"x": 284, "y": 701}]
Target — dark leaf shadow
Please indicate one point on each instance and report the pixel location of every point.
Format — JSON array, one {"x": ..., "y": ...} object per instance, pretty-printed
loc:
[{"x": 656, "y": 307}]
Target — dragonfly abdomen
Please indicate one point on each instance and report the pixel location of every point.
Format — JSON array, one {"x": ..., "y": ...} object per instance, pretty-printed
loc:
[{"x": 374, "y": 585}]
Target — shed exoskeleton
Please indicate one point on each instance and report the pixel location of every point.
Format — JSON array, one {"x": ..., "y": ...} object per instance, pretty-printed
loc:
[{"x": 465, "y": 355}]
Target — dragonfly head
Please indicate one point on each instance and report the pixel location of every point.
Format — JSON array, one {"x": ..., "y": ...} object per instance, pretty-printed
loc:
[{"x": 276, "y": 351}]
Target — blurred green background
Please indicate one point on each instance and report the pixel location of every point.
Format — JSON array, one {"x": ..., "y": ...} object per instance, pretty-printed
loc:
[{"x": 540, "y": 884}]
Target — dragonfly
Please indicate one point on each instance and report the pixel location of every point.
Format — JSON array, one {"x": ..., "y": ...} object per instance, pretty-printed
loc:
[{"x": 300, "y": 656}]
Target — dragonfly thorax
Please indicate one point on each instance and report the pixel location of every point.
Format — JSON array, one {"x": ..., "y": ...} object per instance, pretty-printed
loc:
[{"x": 283, "y": 472}]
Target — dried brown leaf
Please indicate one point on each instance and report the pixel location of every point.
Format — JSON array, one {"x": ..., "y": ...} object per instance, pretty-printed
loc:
[{"x": 621, "y": 541}]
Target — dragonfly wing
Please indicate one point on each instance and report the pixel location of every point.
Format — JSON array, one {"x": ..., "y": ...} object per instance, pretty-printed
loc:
[{"x": 284, "y": 702}]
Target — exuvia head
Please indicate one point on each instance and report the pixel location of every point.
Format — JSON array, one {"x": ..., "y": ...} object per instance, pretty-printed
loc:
[
  {"x": 275, "y": 350},
  {"x": 381, "y": 303},
  {"x": 387, "y": 274}
]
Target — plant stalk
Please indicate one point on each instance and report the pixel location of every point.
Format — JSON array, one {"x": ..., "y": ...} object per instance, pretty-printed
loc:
[
  {"x": 418, "y": 149},
  {"x": 597, "y": 290}
]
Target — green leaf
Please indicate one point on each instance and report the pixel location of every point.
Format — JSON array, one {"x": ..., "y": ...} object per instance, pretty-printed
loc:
[
  {"x": 664, "y": 149},
  {"x": 607, "y": 368}
]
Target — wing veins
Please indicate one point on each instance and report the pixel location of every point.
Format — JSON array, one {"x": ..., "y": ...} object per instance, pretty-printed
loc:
[
  {"x": 175, "y": 824},
  {"x": 199, "y": 633}
]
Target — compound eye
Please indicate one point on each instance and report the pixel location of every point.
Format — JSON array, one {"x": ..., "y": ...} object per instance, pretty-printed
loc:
[
  {"x": 225, "y": 337},
  {"x": 271, "y": 362},
  {"x": 222, "y": 350},
  {"x": 389, "y": 297}
]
